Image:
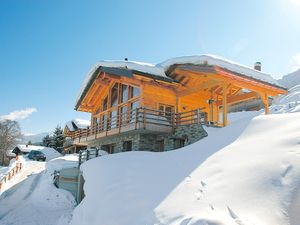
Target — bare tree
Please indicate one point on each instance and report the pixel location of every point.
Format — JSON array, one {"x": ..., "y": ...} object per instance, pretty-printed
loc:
[{"x": 10, "y": 133}]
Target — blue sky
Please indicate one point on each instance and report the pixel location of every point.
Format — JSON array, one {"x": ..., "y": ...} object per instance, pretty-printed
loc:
[{"x": 46, "y": 47}]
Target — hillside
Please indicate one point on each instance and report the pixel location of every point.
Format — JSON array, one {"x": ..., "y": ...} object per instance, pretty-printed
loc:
[
  {"x": 290, "y": 80},
  {"x": 34, "y": 138},
  {"x": 246, "y": 173}
]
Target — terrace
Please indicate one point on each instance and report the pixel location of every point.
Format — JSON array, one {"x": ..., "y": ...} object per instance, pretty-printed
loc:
[{"x": 141, "y": 120}]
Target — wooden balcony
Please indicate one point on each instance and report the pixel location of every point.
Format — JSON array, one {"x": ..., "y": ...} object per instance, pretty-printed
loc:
[{"x": 141, "y": 120}]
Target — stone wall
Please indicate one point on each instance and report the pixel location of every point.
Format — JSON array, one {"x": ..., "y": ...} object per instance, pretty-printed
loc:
[
  {"x": 191, "y": 133},
  {"x": 118, "y": 141},
  {"x": 149, "y": 142}
]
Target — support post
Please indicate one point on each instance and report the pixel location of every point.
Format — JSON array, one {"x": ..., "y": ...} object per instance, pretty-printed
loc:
[
  {"x": 224, "y": 103},
  {"x": 265, "y": 100}
]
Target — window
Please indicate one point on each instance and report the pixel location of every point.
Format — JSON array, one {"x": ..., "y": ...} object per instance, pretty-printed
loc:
[
  {"x": 179, "y": 143},
  {"x": 127, "y": 146},
  {"x": 103, "y": 122},
  {"x": 125, "y": 94},
  {"x": 108, "y": 148},
  {"x": 160, "y": 145},
  {"x": 104, "y": 104},
  {"x": 123, "y": 116},
  {"x": 133, "y": 106},
  {"x": 97, "y": 111},
  {"x": 135, "y": 92},
  {"x": 114, "y": 96},
  {"x": 166, "y": 110},
  {"x": 113, "y": 119}
]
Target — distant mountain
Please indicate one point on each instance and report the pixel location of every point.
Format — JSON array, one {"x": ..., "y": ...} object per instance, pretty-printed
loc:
[
  {"x": 34, "y": 138},
  {"x": 290, "y": 80}
]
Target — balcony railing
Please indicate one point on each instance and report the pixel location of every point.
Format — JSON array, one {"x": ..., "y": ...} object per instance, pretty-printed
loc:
[{"x": 142, "y": 118}]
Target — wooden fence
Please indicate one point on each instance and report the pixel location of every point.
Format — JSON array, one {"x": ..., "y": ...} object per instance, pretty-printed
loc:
[
  {"x": 12, "y": 172},
  {"x": 85, "y": 155}
]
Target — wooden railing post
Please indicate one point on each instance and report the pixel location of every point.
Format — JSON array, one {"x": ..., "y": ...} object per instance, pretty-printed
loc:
[
  {"x": 87, "y": 155},
  {"x": 79, "y": 157},
  {"x": 144, "y": 118},
  {"x": 136, "y": 118},
  {"x": 96, "y": 130},
  {"x": 198, "y": 116}
]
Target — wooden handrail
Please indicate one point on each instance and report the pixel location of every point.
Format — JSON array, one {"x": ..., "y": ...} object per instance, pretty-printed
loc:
[{"x": 144, "y": 116}]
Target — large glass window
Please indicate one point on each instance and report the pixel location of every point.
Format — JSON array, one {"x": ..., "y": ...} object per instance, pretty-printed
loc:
[
  {"x": 123, "y": 116},
  {"x": 125, "y": 94},
  {"x": 135, "y": 92},
  {"x": 116, "y": 106},
  {"x": 103, "y": 122},
  {"x": 133, "y": 106},
  {"x": 113, "y": 119},
  {"x": 114, "y": 96},
  {"x": 166, "y": 110},
  {"x": 104, "y": 104}
]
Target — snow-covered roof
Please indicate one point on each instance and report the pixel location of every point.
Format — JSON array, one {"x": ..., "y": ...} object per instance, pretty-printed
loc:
[
  {"x": 160, "y": 70},
  {"x": 213, "y": 60},
  {"x": 29, "y": 148},
  {"x": 76, "y": 124},
  {"x": 128, "y": 65}
]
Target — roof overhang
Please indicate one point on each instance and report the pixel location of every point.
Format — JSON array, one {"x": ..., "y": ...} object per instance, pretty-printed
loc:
[
  {"x": 116, "y": 72},
  {"x": 231, "y": 75}
]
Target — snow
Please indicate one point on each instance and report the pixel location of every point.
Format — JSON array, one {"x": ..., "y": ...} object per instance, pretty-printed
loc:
[
  {"x": 50, "y": 153},
  {"x": 67, "y": 161},
  {"x": 79, "y": 123},
  {"x": 161, "y": 68},
  {"x": 246, "y": 173},
  {"x": 221, "y": 62},
  {"x": 145, "y": 178},
  {"x": 288, "y": 103},
  {"x": 131, "y": 65},
  {"x": 290, "y": 80},
  {"x": 34, "y": 199}
]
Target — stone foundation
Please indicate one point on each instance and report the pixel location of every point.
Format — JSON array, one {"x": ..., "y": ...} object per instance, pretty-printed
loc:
[{"x": 184, "y": 135}]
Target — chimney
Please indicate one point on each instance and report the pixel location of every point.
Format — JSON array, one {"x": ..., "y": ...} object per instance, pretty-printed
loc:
[
  {"x": 257, "y": 66},
  {"x": 126, "y": 59}
]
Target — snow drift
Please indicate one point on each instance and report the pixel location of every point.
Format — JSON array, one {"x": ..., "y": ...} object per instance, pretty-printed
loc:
[{"x": 251, "y": 181}]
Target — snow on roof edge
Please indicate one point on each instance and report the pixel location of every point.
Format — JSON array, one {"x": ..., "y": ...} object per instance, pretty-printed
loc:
[
  {"x": 214, "y": 60},
  {"x": 80, "y": 123},
  {"x": 161, "y": 68},
  {"x": 131, "y": 65}
]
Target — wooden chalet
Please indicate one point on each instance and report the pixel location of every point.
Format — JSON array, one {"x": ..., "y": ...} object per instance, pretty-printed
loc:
[
  {"x": 136, "y": 106},
  {"x": 71, "y": 127}
]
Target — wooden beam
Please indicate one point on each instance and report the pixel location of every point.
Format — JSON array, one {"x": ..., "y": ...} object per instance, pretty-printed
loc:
[
  {"x": 238, "y": 98},
  {"x": 207, "y": 84},
  {"x": 250, "y": 84},
  {"x": 265, "y": 100}
]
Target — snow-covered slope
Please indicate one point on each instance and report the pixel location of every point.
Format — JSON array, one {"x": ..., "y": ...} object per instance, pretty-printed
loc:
[
  {"x": 33, "y": 199},
  {"x": 289, "y": 102},
  {"x": 224, "y": 179},
  {"x": 290, "y": 80}
]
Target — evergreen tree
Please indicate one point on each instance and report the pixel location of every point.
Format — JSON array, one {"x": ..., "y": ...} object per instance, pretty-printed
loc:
[
  {"x": 58, "y": 138},
  {"x": 47, "y": 140}
]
